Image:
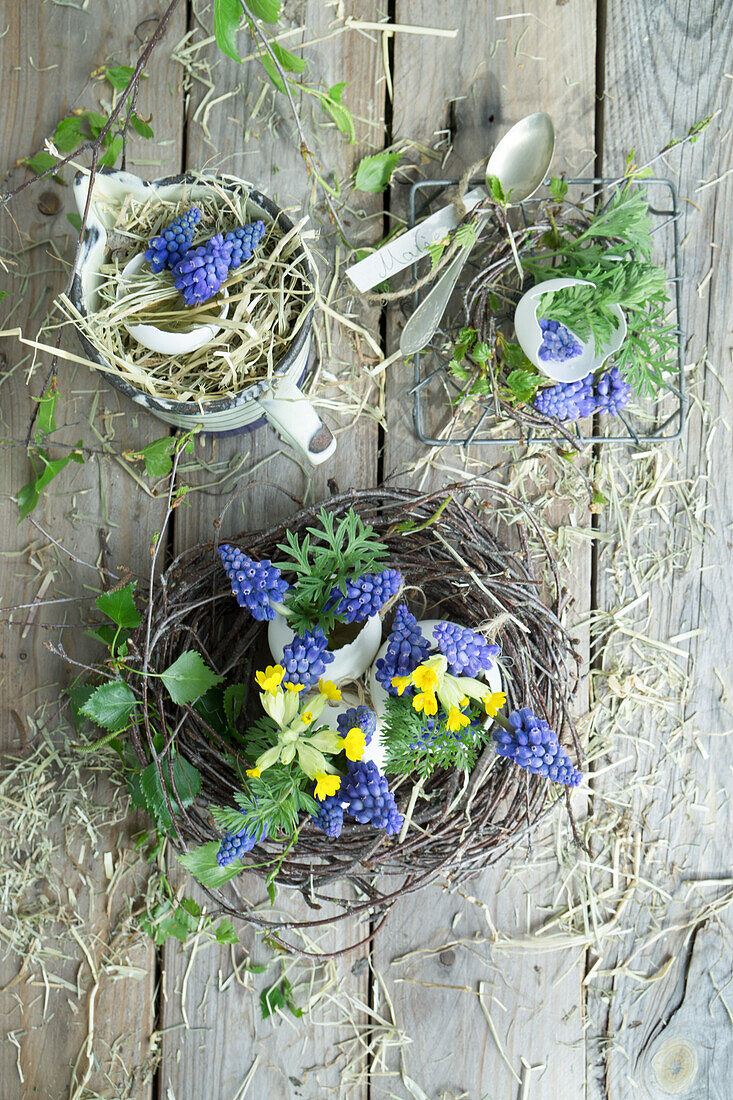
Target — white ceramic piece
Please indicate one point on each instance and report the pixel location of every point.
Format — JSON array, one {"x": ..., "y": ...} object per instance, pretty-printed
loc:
[
  {"x": 159, "y": 339},
  {"x": 530, "y": 335},
  {"x": 379, "y": 695},
  {"x": 350, "y": 661},
  {"x": 255, "y": 404}
]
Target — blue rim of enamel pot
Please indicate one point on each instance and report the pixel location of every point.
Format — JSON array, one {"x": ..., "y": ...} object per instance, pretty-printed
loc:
[{"x": 249, "y": 393}]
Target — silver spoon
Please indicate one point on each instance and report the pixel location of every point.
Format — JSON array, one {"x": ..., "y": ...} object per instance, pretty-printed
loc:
[{"x": 520, "y": 162}]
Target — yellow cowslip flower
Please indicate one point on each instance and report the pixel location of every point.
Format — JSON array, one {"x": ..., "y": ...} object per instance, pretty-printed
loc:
[
  {"x": 254, "y": 773},
  {"x": 401, "y": 683},
  {"x": 293, "y": 687},
  {"x": 271, "y": 678},
  {"x": 307, "y": 716},
  {"x": 355, "y": 743},
  {"x": 457, "y": 720},
  {"x": 426, "y": 702},
  {"x": 494, "y": 702},
  {"x": 329, "y": 689},
  {"x": 425, "y": 679},
  {"x": 326, "y": 785}
]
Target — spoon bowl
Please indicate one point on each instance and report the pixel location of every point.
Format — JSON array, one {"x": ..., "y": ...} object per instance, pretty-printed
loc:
[{"x": 522, "y": 157}]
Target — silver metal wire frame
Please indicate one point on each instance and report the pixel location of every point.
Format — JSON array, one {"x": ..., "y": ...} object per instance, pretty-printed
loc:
[{"x": 659, "y": 434}]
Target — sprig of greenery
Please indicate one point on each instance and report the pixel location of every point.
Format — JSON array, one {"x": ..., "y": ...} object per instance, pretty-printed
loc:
[
  {"x": 413, "y": 749},
  {"x": 323, "y": 560},
  {"x": 613, "y": 251},
  {"x": 45, "y": 469},
  {"x": 273, "y": 802}
]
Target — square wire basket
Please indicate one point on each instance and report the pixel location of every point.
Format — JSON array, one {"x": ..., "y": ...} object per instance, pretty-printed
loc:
[{"x": 645, "y": 420}]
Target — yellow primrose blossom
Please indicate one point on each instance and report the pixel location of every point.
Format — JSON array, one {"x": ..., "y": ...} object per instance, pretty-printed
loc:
[
  {"x": 494, "y": 702},
  {"x": 457, "y": 720},
  {"x": 254, "y": 773},
  {"x": 401, "y": 683},
  {"x": 330, "y": 690},
  {"x": 295, "y": 688},
  {"x": 425, "y": 678},
  {"x": 307, "y": 717},
  {"x": 355, "y": 743},
  {"x": 426, "y": 702},
  {"x": 326, "y": 785},
  {"x": 271, "y": 678}
]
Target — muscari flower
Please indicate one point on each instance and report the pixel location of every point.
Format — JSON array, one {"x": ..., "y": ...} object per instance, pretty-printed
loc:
[
  {"x": 202, "y": 271},
  {"x": 558, "y": 343},
  {"x": 256, "y": 584},
  {"x": 242, "y": 242},
  {"x": 368, "y": 797},
  {"x": 567, "y": 400},
  {"x": 612, "y": 392},
  {"x": 406, "y": 649},
  {"x": 330, "y": 816},
  {"x": 362, "y": 718},
  {"x": 168, "y": 249},
  {"x": 306, "y": 657},
  {"x": 365, "y": 596},
  {"x": 530, "y": 743},
  {"x": 235, "y": 845},
  {"x": 467, "y": 651}
]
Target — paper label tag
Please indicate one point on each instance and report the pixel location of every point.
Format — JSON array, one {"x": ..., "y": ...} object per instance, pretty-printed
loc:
[{"x": 410, "y": 247}]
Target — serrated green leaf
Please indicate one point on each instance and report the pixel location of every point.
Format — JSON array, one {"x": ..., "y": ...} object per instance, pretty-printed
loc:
[
  {"x": 271, "y": 69},
  {"x": 341, "y": 115},
  {"x": 158, "y": 456},
  {"x": 201, "y": 862},
  {"x": 269, "y": 11},
  {"x": 496, "y": 189},
  {"x": 30, "y": 494},
  {"x": 114, "y": 149},
  {"x": 46, "y": 418},
  {"x": 155, "y": 798},
  {"x": 119, "y": 606},
  {"x": 186, "y": 780},
  {"x": 289, "y": 61},
  {"x": 227, "y": 17},
  {"x": 558, "y": 188},
  {"x": 336, "y": 91},
  {"x": 119, "y": 76},
  {"x": 189, "y": 677},
  {"x": 78, "y": 695},
  {"x": 224, "y": 932},
  {"x": 41, "y": 162},
  {"x": 522, "y": 385},
  {"x": 140, "y": 126},
  {"x": 375, "y": 172},
  {"x": 67, "y": 134},
  {"x": 96, "y": 122},
  {"x": 110, "y": 705}
]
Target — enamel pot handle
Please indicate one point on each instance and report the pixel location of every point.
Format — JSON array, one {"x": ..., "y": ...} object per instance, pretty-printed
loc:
[{"x": 294, "y": 418}]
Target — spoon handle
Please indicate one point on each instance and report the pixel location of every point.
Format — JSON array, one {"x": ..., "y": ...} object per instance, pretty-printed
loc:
[{"x": 428, "y": 315}]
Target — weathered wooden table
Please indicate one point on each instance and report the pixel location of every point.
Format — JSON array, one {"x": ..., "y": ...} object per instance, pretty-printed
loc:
[{"x": 488, "y": 995}]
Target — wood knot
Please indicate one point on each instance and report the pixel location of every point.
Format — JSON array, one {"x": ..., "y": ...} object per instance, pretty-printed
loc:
[
  {"x": 675, "y": 1066},
  {"x": 49, "y": 203},
  {"x": 447, "y": 957}
]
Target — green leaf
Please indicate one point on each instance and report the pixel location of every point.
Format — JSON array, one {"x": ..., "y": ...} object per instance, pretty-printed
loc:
[
  {"x": 496, "y": 189},
  {"x": 186, "y": 781},
  {"x": 269, "y": 11},
  {"x": 375, "y": 172},
  {"x": 558, "y": 188},
  {"x": 113, "y": 151},
  {"x": 522, "y": 384},
  {"x": 233, "y": 703},
  {"x": 46, "y": 418},
  {"x": 140, "y": 126},
  {"x": 67, "y": 134},
  {"x": 110, "y": 705},
  {"x": 158, "y": 456},
  {"x": 119, "y": 606},
  {"x": 336, "y": 91},
  {"x": 75, "y": 220},
  {"x": 41, "y": 162},
  {"x": 224, "y": 932},
  {"x": 271, "y": 69},
  {"x": 227, "y": 17},
  {"x": 120, "y": 76},
  {"x": 341, "y": 115},
  {"x": 167, "y": 919},
  {"x": 78, "y": 695},
  {"x": 189, "y": 677},
  {"x": 289, "y": 61},
  {"x": 155, "y": 799},
  {"x": 30, "y": 494},
  {"x": 201, "y": 862},
  {"x": 278, "y": 996},
  {"x": 96, "y": 122},
  {"x": 435, "y": 251}
]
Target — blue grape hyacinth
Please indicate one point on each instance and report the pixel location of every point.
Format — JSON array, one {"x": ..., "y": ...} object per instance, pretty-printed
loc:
[
  {"x": 236, "y": 845},
  {"x": 567, "y": 400},
  {"x": 256, "y": 584},
  {"x": 169, "y": 248},
  {"x": 202, "y": 271},
  {"x": 406, "y": 649},
  {"x": 468, "y": 653},
  {"x": 365, "y": 595},
  {"x": 558, "y": 343},
  {"x": 306, "y": 657},
  {"x": 330, "y": 816},
  {"x": 362, "y": 718},
  {"x": 242, "y": 242},
  {"x": 368, "y": 797},
  {"x": 612, "y": 392},
  {"x": 533, "y": 745}
]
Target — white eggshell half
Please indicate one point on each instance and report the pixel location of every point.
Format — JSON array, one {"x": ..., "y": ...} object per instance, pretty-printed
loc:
[
  {"x": 350, "y": 661},
  {"x": 529, "y": 335},
  {"x": 158, "y": 339}
]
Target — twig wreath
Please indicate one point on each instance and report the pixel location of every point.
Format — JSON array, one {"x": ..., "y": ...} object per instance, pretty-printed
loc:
[{"x": 459, "y": 820}]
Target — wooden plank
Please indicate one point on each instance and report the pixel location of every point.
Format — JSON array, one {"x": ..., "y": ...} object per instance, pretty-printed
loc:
[
  {"x": 233, "y": 1037},
  {"x": 665, "y": 69},
  {"x": 505, "y": 63},
  {"x": 65, "y": 44}
]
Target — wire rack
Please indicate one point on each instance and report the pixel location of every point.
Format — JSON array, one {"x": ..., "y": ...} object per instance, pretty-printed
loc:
[{"x": 645, "y": 420}]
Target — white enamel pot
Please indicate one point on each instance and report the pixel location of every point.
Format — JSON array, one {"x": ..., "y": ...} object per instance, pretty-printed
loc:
[
  {"x": 350, "y": 661},
  {"x": 379, "y": 695},
  {"x": 277, "y": 400},
  {"x": 530, "y": 335}
]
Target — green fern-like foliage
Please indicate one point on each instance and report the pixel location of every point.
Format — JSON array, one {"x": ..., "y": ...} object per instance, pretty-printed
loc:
[{"x": 412, "y": 749}]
